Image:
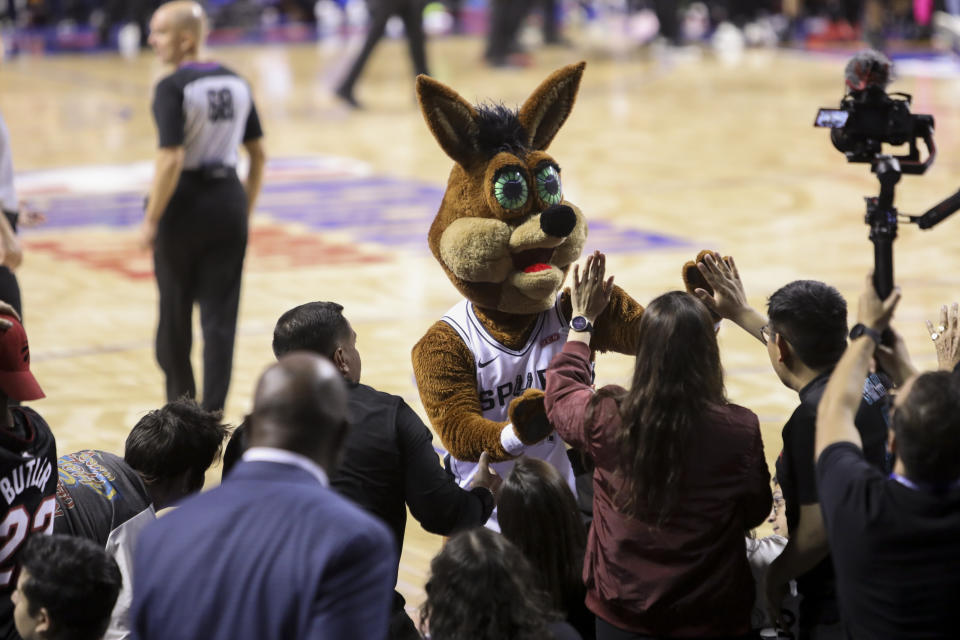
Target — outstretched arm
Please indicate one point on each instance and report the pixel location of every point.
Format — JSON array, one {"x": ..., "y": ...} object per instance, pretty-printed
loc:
[
  {"x": 729, "y": 300},
  {"x": 447, "y": 380},
  {"x": 844, "y": 392},
  {"x": 435, "y": 500}
]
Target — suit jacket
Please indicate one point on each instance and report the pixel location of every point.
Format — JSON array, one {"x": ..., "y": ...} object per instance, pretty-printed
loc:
[
  {"x": 270, "y": 554},
  {"x": 389, "y": 464}
]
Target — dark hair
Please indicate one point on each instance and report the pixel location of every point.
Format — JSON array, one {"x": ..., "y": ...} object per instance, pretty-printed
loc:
[
  {"x": 499, "y": 129},
  {"x": 535, "y": 498},
  {"x": 318, "y": 327},
  {"x": 812, "y": 316},
  {"x": 235, "y": 447},
  {"x": 180, "y": 437},
  {"x": 75, "y": 580},
  {"x": 927, "y": 427},
  {"x": 677, "y": 376},
  {"x": 482, "y": 588}
]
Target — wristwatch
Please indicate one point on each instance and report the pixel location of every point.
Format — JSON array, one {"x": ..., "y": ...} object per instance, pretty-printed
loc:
[
  {"x": 580, "y": 323},
  {"x": 861, "y": 329}
]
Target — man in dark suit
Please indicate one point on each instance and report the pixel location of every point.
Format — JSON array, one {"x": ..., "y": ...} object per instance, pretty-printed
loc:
[
  {"x": 388, "y": 459},
  {"x": 272, "y": 553}
]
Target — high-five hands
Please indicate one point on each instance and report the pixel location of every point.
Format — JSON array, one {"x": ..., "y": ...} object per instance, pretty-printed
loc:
[
  {"x": 590, "y": 294},
  {"x": 729, "y": 299}
]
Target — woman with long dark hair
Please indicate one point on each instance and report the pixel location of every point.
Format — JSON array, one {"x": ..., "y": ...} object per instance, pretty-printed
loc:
[
  {"x": 538, "y": 514},
  {"x": 482, "y": 588},
  {"x": 680, "y": 472}
]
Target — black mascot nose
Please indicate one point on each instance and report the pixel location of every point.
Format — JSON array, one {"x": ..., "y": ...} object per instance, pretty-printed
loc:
[{"x": 558, "y": 220}]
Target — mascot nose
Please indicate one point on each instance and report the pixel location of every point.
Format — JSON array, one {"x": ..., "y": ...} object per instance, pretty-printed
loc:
[{"x": 558, "y": 220}]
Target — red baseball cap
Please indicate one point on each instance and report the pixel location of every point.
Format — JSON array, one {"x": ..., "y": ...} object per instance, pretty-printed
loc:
[{"x": 16, "y": 381}]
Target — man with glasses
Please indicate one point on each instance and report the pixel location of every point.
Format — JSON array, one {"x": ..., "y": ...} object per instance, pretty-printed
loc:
[{"x": 805, "y": 336}]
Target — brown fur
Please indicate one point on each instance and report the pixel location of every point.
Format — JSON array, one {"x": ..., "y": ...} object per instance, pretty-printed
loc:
[
  {"x": 477, "y": 241},
  {"x": 693, "y": 279}
]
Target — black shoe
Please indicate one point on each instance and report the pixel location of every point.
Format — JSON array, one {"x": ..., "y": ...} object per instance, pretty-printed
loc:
[{"x": 347, "y": 96}]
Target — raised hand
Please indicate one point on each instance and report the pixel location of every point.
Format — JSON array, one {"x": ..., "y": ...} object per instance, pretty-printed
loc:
[
  {"x": 946, "y": 337},
  {"x": 590, "y": 294},
  {"x": 728, "y": 299}
]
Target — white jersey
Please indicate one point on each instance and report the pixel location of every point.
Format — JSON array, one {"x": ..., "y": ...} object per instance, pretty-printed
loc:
[
  {"x": 504, "y": 374},
  {"x": 8, "y": 196}
]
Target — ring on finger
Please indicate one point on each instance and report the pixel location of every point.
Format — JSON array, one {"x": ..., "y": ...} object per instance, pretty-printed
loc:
[
  {"x": 941, "y": 329},
  {"x": 934, "y": 336}
]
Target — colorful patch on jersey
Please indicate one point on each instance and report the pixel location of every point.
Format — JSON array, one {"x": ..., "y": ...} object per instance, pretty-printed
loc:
[{"x": 83, "y": 468}]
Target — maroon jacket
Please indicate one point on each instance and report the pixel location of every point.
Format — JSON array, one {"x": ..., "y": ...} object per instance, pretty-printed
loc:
[{"x": 690, "y": 577}]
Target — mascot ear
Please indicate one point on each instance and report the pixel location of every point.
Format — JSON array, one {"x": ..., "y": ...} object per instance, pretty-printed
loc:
[
  {"x": 452, "y": 120},
  {"x": 547, "y": 108}
]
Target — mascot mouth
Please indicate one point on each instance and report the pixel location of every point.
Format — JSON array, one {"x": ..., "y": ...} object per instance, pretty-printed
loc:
[{"x": 532, "y": 260}]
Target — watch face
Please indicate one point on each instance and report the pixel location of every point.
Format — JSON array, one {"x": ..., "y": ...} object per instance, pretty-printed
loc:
[{"x": 579, "y": 323}]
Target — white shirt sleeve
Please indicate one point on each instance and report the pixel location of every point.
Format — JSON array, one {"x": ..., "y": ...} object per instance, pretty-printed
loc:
[{"x": 120, "y": 545}]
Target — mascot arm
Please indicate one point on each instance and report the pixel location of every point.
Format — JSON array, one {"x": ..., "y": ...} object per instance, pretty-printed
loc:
[
  {"x": 446, "y": 375},
  {"x": 618, "y": 327}
]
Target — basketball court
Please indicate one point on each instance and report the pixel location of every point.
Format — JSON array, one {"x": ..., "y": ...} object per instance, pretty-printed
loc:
[{"x": 665, "y": 155}]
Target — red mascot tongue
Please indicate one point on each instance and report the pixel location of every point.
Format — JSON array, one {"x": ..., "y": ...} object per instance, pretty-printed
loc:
[{"x": 536, "y": 267}]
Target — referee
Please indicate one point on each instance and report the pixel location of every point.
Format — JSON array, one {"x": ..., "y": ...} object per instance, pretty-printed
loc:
[{"x": 197, "y": 211}]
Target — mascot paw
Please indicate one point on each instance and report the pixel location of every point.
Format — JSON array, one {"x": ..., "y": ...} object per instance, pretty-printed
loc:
[
  {"x": 529, "y": 417},
  {"x": 693, "y": 279}
]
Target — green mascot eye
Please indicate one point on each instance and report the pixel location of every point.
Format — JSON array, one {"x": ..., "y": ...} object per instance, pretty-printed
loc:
[
  {"x": 510, "y": 189},
  {"x": 548, "y": 185}
]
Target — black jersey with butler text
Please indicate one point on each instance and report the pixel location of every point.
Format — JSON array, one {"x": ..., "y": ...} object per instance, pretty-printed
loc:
[
  {"x": 28, "y": 490},
  {"x": 208, "y": 109}
]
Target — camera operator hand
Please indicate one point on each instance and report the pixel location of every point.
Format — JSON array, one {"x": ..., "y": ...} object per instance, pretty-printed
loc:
[
  {"x": 873, "y": 312},
  {"x": 729, "y": 300},
  {"x": 895, "y": 359},
  {"x": 946, "y": 337}
]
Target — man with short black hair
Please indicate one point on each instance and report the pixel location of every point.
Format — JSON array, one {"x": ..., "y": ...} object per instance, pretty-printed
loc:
[
  {"x": 805, "y": 336},
  {"x": 895, "y": 539},
  {"x": 109, "y": 500},
  {"x": 272, "y": 552},
  {"x": 66, "y": 589},
  {"x": 388, "y": 461}
]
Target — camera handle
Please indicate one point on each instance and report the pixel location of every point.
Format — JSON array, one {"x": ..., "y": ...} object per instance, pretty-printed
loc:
[{"x": 882, "y": 219}]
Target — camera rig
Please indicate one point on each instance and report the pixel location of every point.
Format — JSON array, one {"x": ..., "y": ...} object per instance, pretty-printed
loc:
[{"x": 866, "y": 120}]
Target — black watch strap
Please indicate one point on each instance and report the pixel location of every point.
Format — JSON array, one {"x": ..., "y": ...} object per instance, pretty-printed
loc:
[{"x": 861, "y": 329}]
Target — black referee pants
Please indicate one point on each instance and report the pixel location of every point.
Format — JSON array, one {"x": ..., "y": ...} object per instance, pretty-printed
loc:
[
  {"x": 198, "y": 258},
  {"x": 411, "y": 12}
]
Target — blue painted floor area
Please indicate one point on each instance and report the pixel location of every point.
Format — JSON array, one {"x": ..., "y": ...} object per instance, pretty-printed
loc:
[{"x": 391, "y": 212}]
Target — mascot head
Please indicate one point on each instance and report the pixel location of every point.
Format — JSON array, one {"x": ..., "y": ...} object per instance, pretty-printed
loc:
[{"x": 504, "y": 234}]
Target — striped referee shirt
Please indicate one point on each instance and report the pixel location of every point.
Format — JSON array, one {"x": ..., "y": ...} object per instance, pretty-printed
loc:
[{"x": 209, "y": 110}]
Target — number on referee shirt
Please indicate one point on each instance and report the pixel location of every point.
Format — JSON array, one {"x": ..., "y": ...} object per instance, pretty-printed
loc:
[{"x": 221, "y": 104}]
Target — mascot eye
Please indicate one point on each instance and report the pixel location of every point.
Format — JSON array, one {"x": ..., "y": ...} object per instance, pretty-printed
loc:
[
  {"x": 510, "y": 189},
  {"x": 548, "y": 185}
]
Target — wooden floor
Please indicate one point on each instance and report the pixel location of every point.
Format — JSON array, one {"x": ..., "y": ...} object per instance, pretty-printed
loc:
[{"x": 666, "y": 155}]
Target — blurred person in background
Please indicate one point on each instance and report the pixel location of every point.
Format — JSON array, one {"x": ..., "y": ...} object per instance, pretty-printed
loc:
[
  {"x": 411, "y": 12},
  {"x": 196, "y": 219}
]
